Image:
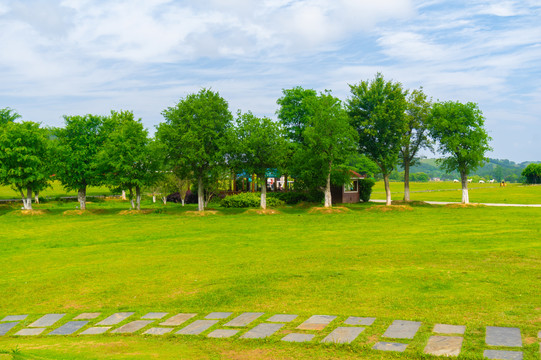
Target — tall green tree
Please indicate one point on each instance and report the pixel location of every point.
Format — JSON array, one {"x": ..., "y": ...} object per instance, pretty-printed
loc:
[
  {"x": 295, "y": 111},
  {"x": 8, "y": 115},
  {"x": 377, "y": 111},
  {"x": 24, "y": 153},
  {"x": 76, "y": 147},
  {"x": 126, "y": 157},
  {"x": 532, "y": 173},
  {"x": 259, "y": 145},
  {"x": 459, "y": 130},
  {"x": 416, "y": 134},
  {"x": 195, "y": 136}
]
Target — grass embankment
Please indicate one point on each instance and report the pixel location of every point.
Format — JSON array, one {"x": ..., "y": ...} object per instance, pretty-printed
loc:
[
  {"x": 470, "y": 266},
  {"x": 449, "y": 191}
]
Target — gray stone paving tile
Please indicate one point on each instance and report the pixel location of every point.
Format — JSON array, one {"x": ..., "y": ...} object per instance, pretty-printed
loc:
[
  {"x": 132, "y": 327},
  {"x": 503, "y": 336},
  {"x": 222, "y": 333},
  {"x": 218, "y": 315},
  {"x": 244, "y": 319},
  {"x": 316, "y": 322},
  {"x": 69, "y": 328},
  {"x": 177, "y": 319},
  {"x": 444, "y": 345},
  {"x": 262, "y": 331},
  {"x": 449, "y": 329},
  {"x": 503, "y": 355},
  {"x": 6, "y": 327},
  {"x": 343, "y": 335},
  {"x": 281, "y": 318},
  {"x": 96, "y": 330},
  {"x": 115, "y": 318},
  {"x": 30, "y": 332},
  {"x": 47, "y": 320},
  {"x": 401, "y": 329},
  {"x": 158, "y": 331},
  {"x": 87, "y": 316},
  {"x": 388, "y": 346},
  {"x": 354, "y": 320},
  {"x": 295, "y": 337},
  {"x": 197, "y": 327},
  {"x": 154, "y": 315},
  {"x": 14, "y": 318}
]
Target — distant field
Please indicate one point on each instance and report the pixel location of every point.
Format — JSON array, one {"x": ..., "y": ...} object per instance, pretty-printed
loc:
[
  {"x": 471, "y": 266},
  {"x": 55, "y": 190},
  {"x": 449, "y": 191}
]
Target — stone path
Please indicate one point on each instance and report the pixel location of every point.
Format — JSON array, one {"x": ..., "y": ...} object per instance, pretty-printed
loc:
[
  {"x": 454, "y": 202},
  {"x": 446, "y": 340}
]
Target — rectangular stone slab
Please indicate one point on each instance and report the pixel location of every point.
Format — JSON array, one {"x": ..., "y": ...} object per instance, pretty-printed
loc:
[
  {"x": 95, "y": 330},
  {"x": 69, "y": 328},
  {"x": 449, "y": 329},
  {"x": 5, "y": 327},
  {"x": 503, "y": 336},
  {"x": 262, "y": 331},
  {"x": 316, "y": 322},
  {"x": 295, "y": 337},
  {"x": 444, "y": 345},
  {"x": 14, "y": 318},
  {"x": 115, "y": 318},
  {"x": 154, "y": 315},
  {"x": 132, "y": 327},
  {"x": 177, "y": 319},
  {"x": 354, "y": 320},
  {"x": 86, "y": 316},
  {"x": 343, "y": 335},
  {"x": 401, "y": 329},
  {"x": 388, "y": 346},
  {"x": 244, "y": 319},
  {"x": 158, "y": 331},
  {"x": 218, "y": 315},
  {"x": 30, "y": 332},
  {"x": 47, "y": 320},
  {"x": 503, "y": 355},
  {"x": 197, "y": 327},
  {"x": 282, "y": 318},
  {"x": 222, "y": 333}
]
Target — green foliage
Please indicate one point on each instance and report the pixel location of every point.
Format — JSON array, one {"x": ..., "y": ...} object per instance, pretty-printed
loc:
[
  {"x": 365, "y": 189},
  {"x": 416, "y": 127},
  {"x": 419, "y": 177},
  {"x": 8, "y": 115},
  {"x": 244, "y": 200},
  {"x": 295, "y": 111},
  {"x": 532, "y": 173}
]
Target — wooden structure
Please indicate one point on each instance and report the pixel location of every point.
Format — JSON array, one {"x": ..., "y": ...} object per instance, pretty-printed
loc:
[{"x": 347, "y": 193}]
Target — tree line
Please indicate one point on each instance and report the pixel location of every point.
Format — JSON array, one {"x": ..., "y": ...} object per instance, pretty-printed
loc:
[{"x": 317, "y": 139}]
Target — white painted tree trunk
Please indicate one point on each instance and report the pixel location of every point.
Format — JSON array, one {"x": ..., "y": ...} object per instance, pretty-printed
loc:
[
  {"x": 407, "y": 181},
  {"x": 36, "y": 197},
  {"x": 164, "y": 199},
  {"x": 132, "y": 203},
  {"x": 200, "y": 195},
  {"x": 138, "y": 197},
  {"x": 123, "y": 197},
  {"x": 27, "y": 201},
  {"x": 154, "y": 199},
  {"x": 388, "y": 200},
  {"x": 81, "y": 197},
  {"x": 465, "y": 195},
  {"x": 264, "y": 193},
  {"x": 328, "y": 196},
  {"x": 182, "y": 200}
]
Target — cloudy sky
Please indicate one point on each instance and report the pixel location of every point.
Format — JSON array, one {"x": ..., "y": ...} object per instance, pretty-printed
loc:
[{"x": 90, "y": 56}]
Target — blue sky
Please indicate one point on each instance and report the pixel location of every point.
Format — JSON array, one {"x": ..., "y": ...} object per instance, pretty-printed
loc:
[{"x": 88, "y": 56}]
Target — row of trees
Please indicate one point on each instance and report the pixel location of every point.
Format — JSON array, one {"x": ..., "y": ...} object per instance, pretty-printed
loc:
[
  {"x": 317, "y": 140},
  {"x": 532, "y": 173}
]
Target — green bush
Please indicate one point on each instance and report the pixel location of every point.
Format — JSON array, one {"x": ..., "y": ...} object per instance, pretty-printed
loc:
[
  {"x": 365, "y": 189},
  {"x": 295, "y": 197},
  {"x": 243, "y": 200}
]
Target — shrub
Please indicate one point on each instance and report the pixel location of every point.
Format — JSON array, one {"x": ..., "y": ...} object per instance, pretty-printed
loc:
[
  {"x": 295, "y": 197},
  {"x": 243, "y": 200},
  {"x": 365, "y": 189}
]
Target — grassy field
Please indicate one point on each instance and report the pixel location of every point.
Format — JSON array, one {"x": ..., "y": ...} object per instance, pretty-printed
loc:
[
  {"x": 474, "y": 266},
  {"x": 449, "y": 191},
  {"x": 56, "y": 190}
]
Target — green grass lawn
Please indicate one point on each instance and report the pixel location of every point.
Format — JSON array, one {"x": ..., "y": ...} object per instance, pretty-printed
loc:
[
  {"x": 55, "y": 190},
  {"x": 475, "y": 266},
  {"x": 449, "y": 191}
]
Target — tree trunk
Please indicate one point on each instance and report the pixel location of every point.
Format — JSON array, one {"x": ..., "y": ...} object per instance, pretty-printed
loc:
[
  {"x": 131, "y": 199},
  {"x": 200, "y": 195},
  {"x": 182, "y": 201},
  {"x": 407, "y": 181},
  {"x": 387, "y": 190},
  {"x": 123, "y": 195},
  {"x": 164, "y": 199},
  {"x": 36, "y": 197},
  {"x": 28, "y": 204},
  {"x": 465, "y": 195},
  {"x": 285, "y": 182},
  {"x": 154, "y": 199},
  {"x": 81, "y": 197},
  {"x": 328, "y": 196},
  {"x": 264, "y": 193},
  {"x": 138, "y": 197}
]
